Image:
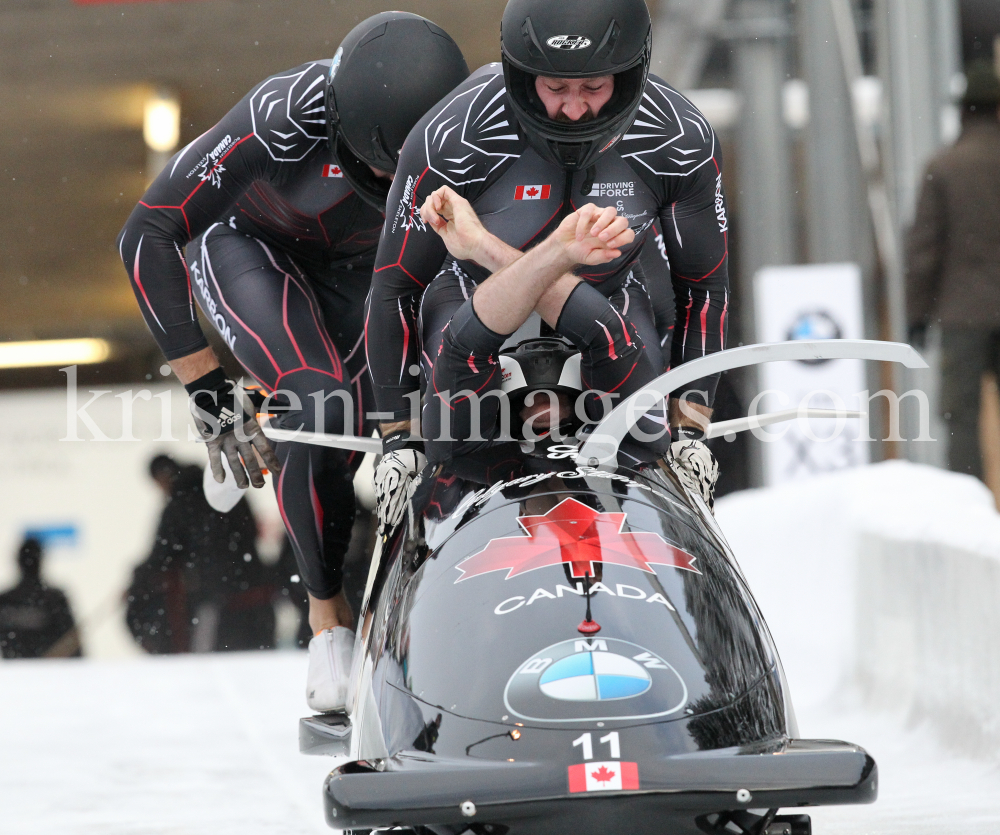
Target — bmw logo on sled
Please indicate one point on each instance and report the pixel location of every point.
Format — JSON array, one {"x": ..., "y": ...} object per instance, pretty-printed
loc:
[{"x": 560, "y": 640}]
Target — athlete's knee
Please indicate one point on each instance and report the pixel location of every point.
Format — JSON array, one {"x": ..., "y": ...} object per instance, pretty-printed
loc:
[{"x": 597, "y": 328}]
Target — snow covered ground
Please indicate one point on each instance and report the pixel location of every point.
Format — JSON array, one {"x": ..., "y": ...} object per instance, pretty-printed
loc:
[
  {"x": 192, "y": 745},
  {"x": 208, "y": 744}
]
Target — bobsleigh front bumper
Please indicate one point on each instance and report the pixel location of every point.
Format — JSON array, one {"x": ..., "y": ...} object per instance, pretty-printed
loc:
[{"x": 415, "y": 789}]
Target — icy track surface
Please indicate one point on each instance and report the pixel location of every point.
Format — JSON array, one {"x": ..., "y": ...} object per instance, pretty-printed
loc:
[{"x": 208, "y": 745}]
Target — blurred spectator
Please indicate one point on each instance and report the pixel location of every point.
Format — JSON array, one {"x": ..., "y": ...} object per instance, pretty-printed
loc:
[
  {"x": 35, "y": 620},
  {"x": 953, "y": 256},
  {"x": 203, "y": 586}
]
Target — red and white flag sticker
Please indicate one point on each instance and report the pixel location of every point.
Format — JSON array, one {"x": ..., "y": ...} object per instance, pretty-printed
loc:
[
  {"x": 602, "y": 777},
  {"x": 332, "y": 171},
  {"x": 532, "y": 192}
]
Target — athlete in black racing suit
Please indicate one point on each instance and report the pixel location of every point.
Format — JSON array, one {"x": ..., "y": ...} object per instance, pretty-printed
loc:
[
  {"x": 668, "y": 167},
  {"x": 269, "y": 221},
  {"x": 523, "y": 171}
]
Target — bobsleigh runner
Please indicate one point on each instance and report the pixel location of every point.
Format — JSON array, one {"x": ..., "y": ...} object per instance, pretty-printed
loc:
[{"x": 561, "y": 640}]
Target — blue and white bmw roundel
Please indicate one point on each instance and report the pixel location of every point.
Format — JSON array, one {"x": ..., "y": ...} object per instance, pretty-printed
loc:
[{"x": 593, "y": 677}]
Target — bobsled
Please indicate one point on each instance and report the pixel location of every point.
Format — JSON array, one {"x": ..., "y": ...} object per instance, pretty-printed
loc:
[{"x": 558, "y": 638}]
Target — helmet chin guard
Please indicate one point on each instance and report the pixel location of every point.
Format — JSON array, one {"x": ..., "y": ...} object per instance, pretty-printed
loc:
[{"x": 586, "y": 39}]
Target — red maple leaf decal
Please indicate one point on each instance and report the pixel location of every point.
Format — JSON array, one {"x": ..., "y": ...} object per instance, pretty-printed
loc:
[
  {"x": 531, "y": 192},
  {"x": 602, "y": 775},
  {"x": 335, "y": 169},
  {"x": 579, "y": 535}
]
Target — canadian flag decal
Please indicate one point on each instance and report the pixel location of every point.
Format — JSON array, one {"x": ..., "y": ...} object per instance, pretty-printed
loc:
[
  {"x": 602, "y": 777},
  {"x": 532, "y": 192},
  {"x": 332, "y": 171}
]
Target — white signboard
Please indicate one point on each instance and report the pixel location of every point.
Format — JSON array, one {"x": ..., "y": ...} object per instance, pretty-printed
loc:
[{"x": 821, "y": 301}]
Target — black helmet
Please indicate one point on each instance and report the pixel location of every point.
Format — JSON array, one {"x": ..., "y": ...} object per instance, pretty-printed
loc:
[
  {"x": 583, "y": 39},
  {"x": 546, "y": 364},
  {"x": 388, "y": 72},
  {"x": 540, "y": 364}
]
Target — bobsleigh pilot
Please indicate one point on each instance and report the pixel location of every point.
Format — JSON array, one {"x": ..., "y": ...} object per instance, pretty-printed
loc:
[
  {"x": 570, "y": 116},
  {"x": 270, "y": 222}
]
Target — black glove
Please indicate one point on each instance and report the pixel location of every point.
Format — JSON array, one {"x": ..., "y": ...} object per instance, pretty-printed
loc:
[{"x": 228, "y": 430}]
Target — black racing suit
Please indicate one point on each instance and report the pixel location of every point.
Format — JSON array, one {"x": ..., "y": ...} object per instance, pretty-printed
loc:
[
  {"x": 665, "y": 170},
  {"x": 279, "y": 254}
]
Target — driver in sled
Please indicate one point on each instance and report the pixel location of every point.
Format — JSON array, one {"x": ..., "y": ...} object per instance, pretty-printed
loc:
[{"x": 570, "y": 116}]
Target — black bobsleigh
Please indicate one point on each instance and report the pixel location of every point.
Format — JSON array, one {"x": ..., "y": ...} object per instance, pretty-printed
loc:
[{"x": 561, "y": 641}]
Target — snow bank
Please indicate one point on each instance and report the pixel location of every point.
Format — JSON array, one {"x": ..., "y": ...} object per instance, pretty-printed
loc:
[{"x": 886, "y": 578}]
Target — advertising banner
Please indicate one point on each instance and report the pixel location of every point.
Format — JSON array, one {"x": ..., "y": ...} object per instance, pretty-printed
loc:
[{"x": 817, "y": 301}]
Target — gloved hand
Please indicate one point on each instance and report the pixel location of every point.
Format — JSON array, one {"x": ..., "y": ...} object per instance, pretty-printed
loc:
[
  {"x": 694, "y": 464},
  {"x": 395, "y": 481},
  {"x": 229, "y": 431}
]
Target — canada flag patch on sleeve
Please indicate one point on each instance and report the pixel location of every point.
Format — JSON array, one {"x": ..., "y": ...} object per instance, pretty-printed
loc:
[
  {"x": 532, "y": 192},
  {"x": 332, "y": 171},
  {"x": 602, "y": 777}
]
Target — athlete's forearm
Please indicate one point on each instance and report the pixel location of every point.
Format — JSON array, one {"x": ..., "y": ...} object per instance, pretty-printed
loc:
[
  {"x": 508, "y": 297},
  {"x": 494, "y": 254},
  {"x": 686, "y": 413},
  {"x": 551, "y": 303},
  {"x": 394, "y": 426},
  {"x": 190, "y": 368}
]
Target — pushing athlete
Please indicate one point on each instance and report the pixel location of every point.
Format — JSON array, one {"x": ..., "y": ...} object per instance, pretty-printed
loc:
[
  {"x": 570, "y": 116},
  {"x": 269, "y": 221}
]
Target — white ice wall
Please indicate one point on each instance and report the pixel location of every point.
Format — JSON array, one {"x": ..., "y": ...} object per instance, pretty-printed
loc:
[{"x": 884, "y": 580}]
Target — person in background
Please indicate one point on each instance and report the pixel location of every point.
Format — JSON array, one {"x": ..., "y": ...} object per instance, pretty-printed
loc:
[
  {"x": 35, "y": 619},
  {"x": 203, "y": 588},
  {"x": 953, "y": 276}
]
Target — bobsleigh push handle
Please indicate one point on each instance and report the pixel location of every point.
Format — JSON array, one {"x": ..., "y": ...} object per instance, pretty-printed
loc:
[{"x": 601, "y": 447}]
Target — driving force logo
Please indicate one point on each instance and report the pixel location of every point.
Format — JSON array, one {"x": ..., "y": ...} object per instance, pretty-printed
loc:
[
  {"x": 613, "y": 190},
  {"x": 594, "y": 679},
  {"x": 567, "y": 42}
]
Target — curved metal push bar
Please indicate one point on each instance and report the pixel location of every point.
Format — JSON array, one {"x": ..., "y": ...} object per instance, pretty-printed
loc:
[
  {"x": 350, "y": 442},
  {"x": 731, "y": 427},
  {"x": 601, "y": 448}
]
